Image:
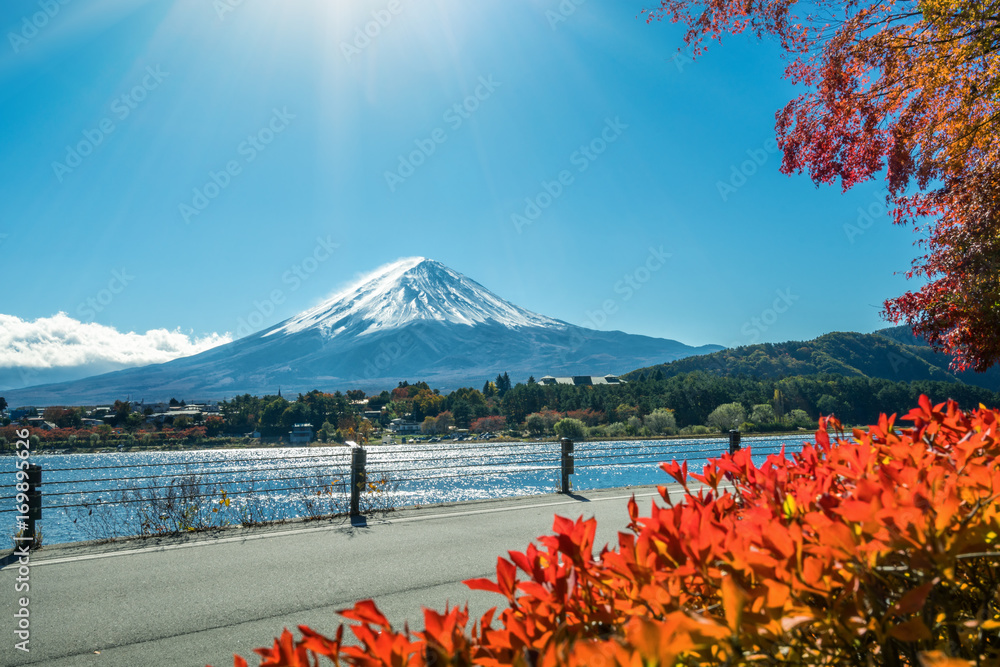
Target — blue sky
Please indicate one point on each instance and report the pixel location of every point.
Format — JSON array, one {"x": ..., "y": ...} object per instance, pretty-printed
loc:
[{"x": 171, "y": 165}]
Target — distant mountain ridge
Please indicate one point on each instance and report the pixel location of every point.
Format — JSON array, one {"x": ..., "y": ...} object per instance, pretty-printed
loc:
[
  {"x": 414, "y": 319},
  {"x": 893, "y": 354}
]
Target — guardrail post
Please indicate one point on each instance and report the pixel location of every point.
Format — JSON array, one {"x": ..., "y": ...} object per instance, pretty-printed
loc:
[
  {"x": 566, "y": 462},
  {"x": 734, "y": 441},
  {"x": 34, "y": 494},
  {"x": 359, "y": 478}
]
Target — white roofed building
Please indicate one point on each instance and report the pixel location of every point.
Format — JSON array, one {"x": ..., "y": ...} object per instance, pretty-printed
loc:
[{"x": 582, "y": 380}]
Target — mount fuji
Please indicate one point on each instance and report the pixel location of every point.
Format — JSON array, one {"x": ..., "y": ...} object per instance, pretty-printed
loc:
[{"x": 415, "y": 319}]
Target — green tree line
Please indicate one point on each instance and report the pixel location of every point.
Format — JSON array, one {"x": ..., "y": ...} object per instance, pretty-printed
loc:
[{"x": 691, "y": 399}]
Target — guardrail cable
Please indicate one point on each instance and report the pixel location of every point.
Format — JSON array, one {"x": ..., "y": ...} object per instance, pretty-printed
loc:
[{"x": 344, "y": 475}]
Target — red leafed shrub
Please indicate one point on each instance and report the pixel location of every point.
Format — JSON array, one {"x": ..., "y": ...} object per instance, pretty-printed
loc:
[
  {"x": 10, "y": 432},
  {"x": 63, "y": 434},
  {"x": 589, "y": 417},
  {"x": 489, "y": 424},
  {"x": 880, "y": 549}
]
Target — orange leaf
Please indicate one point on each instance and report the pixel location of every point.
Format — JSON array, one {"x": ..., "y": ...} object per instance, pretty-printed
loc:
[
  {"x": 321, "y": 644},
  {"x": 366, "y": 612},
  {"x": 506, "y": 576},
  {"x": 482, "y": 584},
  {"x": 733, "y": 599},
  {"x": 939, "y": 659}
]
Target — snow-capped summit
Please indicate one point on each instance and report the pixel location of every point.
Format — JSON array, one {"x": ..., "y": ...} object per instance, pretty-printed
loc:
[{"x": 409, "y": 290}]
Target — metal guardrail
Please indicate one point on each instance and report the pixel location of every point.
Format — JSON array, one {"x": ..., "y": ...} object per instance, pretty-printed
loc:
[{"x": 537, "y": 456}]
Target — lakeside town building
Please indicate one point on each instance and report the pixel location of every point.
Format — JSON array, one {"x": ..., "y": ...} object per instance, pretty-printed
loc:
[
  {"x": 582, "y": 380},
  {"x": 301, "y": 434}
]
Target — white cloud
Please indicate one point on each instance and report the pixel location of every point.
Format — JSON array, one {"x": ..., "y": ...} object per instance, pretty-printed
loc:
[{"x": 61, "y": 342}]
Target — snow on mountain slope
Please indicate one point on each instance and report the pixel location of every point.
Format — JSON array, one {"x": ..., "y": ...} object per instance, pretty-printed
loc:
[{"x": 411, "y": 289}]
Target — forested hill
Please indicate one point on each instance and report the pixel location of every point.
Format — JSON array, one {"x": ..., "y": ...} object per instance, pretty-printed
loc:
[{"x": 892, "y": 354}]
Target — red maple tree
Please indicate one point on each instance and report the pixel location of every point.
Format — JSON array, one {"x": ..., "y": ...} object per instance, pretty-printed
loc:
[{"x": 906, "y": 91}]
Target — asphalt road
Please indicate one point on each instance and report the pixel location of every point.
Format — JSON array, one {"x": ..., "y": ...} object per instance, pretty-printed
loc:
[{"x": 198, "y": 600}]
